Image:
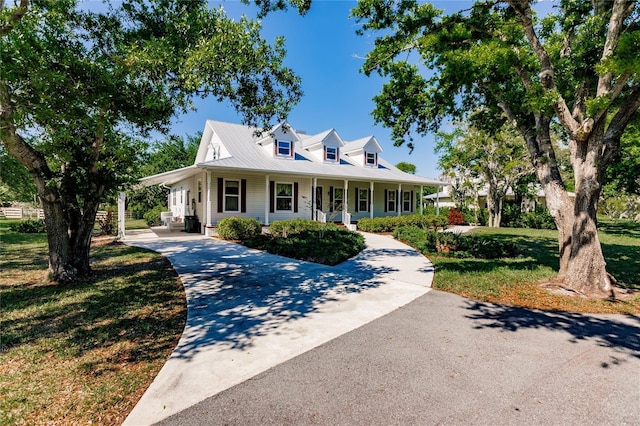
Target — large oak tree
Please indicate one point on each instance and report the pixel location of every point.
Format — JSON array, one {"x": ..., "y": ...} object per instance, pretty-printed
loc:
[
  {"x": 76, "y": 83},
  {"x": 578, "y": 66}
]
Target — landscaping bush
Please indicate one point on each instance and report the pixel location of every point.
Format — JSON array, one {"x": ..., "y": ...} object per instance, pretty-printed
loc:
[
  {"x": 152, "y": 217},
  {"x": 108, "y": 224},
  {"x": 238, "y": 228},
  {"x": 284, "y": 228},
  {"x": 29, "y": 226},
  {"x": 391, "y": 223},
  {"x": 334, "y": 245},
  {"x": 455, "y": 217},
  {"x": 457, "y": 245},
  {"x": 540, "y": 219}
]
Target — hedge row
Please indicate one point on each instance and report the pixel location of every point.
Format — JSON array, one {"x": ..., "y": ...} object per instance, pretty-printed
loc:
[{"x": 391, "y": 223}]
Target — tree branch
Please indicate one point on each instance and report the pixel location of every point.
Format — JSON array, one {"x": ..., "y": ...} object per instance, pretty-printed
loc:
[
  {"x": 547, "y": 76},
  {"x": 621, "y": 9},
  {"x": 16, "y": 15}
]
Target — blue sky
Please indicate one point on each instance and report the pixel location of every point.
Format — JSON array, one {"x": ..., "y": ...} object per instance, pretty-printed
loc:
[{"x": 324, "y": 50}]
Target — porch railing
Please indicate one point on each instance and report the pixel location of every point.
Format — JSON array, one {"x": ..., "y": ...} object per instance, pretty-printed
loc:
[
  {"x": 346, "y": 218},
  {"x": 321, "y": 216}
]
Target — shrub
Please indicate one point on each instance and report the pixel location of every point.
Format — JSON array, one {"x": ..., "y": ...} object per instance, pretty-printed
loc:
[
  {"x": 337, "y": 245},
  {"x": 238, "y": 228},
  {"x": 457, "y": 245},
  {"x": 29, "y": 226},
  {"x": 152, "y": 217},
  {"x": 284, "y": 228},
  {"x": 108, "y": 223},
  {"x": 391, "y": 223},
  {"x": 455, "y": 217}
]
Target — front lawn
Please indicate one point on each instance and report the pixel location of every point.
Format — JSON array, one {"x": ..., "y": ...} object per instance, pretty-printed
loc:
[
  {"x": 513, "y": 281},
  {"x": 83, "y": 353}
]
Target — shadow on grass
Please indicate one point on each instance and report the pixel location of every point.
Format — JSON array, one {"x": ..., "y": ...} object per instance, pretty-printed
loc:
[
  {"x": 624, "y": 228},
  {"x": 619, "y": 332},
  {"x": 623, "y": 261},
  {"x": 533, "y": 253},
  {"x": 137, "y": 302}
]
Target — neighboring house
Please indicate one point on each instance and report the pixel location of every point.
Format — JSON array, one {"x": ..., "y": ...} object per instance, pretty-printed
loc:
[
  {"x": 288, "y": 174},
  {"x": 529, "y": 203}
]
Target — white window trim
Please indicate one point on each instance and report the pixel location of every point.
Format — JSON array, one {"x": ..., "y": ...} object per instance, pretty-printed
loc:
[
  {"x": 391, "y": 200},
  {"x": 225, "y": 195},
  {"x": 326, "y": 154},
  {"x": 290, "y": 143},
  {"x": 336, "y": 207},
  {"x": 363, "y": 200},
  {"x": 275, "y": 190},
  {"x": 375, "y": 159},
  {"x": 410, "y": 209}
]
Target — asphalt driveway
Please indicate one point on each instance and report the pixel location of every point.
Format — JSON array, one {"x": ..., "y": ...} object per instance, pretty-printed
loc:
[{"x": 443, "y": 359}]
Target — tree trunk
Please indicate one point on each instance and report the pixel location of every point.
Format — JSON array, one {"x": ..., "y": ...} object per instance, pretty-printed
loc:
[{"x": 586, "y": 271}]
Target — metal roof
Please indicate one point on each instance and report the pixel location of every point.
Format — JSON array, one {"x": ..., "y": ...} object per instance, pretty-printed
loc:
[{"x": 247, "y": 156}]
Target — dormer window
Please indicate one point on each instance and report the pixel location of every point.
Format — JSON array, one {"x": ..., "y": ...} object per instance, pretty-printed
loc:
[
  {"x": 284, "y": 148},
  {"x": 371, "y": 159},
  {"x": 330, "y": 153}
]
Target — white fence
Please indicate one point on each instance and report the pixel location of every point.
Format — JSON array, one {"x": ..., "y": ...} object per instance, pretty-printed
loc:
[{"x": 31, "y": 213}]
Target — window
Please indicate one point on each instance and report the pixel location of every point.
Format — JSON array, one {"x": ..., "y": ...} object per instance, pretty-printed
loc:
[
  {"x": 338, "y": 198},
  {"x": 284, "y": 196},
  {"x": 283, "y": 148},
  {"x": 330, "y": 153},
  {"x": 363, "y": 200},
  {"x": 232, "y": 195},
  {"x": 371, "y": 159},
  {"x": 391, "y": 201},
  {"x": 406, "y": 201}
]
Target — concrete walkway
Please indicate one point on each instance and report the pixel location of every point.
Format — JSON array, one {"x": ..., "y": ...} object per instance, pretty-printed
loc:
[{"x": 249, "y": 311}]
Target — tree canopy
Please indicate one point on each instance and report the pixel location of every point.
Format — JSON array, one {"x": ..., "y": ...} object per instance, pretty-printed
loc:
[
  {"x": 77, "y": 83},
  {"x": 578, "y": 66},
  {"x": 406, "y": 167},
  {"x": 493, "y": 160}
]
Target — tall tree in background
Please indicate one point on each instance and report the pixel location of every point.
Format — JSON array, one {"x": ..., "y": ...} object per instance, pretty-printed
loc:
[
  {"x": 406, "y": 167},
  {"x": 493, "y": 160},
  {"x": 171, "y": 153},
  {"x": 578, "y": 66},
  {"x": 79, "y": 82}
]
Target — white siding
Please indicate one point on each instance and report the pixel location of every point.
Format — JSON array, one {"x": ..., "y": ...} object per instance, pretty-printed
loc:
[{"x": 257, "y": 200}]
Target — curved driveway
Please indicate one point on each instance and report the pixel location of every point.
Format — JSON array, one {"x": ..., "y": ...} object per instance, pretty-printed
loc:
[
  {"x": 435, "y": 358},
  {"x": 249, "y": 311}
]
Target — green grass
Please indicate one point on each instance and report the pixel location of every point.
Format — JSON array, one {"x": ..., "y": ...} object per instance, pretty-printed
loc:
[
  {"x": 512, "y": 280},
  {"x": 86, "y": 352}
]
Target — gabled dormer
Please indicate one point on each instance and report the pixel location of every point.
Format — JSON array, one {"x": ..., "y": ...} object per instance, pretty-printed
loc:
[
  {"x": 280, "y": 142},
  {"x": 211, "y": 146},
  {"x": 325, "y": 146},
  {"x": 363, "y": 151}
]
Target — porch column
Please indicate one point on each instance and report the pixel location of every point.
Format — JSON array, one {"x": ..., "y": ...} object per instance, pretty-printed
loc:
[
  {"x": 345, "y": 203},
  {"x": 421, "y": 199},
  {"x": 438, "y": 200},
  {"x": 122, "y": 198},
  {"x": 371, "y": 200},
  {"x": 208, "y": 211},
  {"x": 399, "y": 200},
  {"x": 266, "y": 199},
  {"x": 314, "y": 202}
]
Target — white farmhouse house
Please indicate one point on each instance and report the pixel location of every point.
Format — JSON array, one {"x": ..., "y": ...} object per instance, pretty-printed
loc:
[{"x": 287, "y": 174}]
